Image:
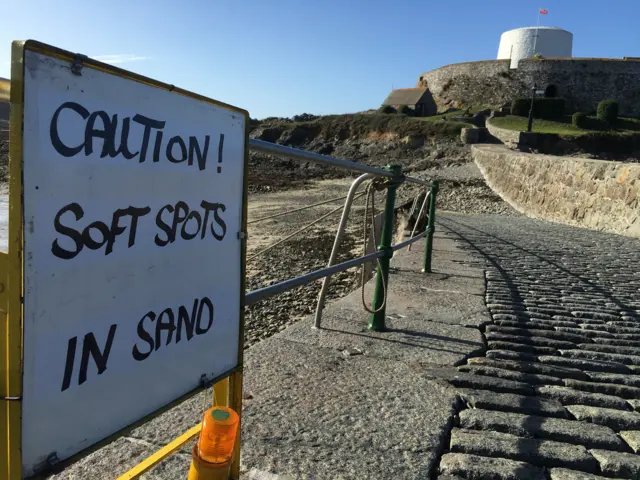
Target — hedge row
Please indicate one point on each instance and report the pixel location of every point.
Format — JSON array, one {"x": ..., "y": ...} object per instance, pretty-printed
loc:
[{"x": 548, "y": 108}]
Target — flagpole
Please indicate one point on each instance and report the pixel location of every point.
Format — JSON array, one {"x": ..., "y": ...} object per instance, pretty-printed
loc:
[{"x": 535, "y": 41}]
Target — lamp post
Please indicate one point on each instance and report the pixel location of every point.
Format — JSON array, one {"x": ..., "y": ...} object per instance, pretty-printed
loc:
[{"x": 533, "y": 98}]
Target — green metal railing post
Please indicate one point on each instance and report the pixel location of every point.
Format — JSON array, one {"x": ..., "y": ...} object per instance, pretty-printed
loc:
[
  {"x": 377, "y": 320},
  {"x": 431, "y": 226}
]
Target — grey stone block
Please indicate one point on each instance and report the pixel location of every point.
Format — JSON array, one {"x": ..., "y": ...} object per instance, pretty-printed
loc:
[
  {"x": 617, "y": 341},
  {"x": 617, "y": 420},
  {"x": 532, "y": 332},
  {"x": 635, "y": 405},
  {"x": 586, "y": 365},
  {"x": 543, "y": 453},
  {"x": 466, "y": 380},
  {"x": 623, "y": 391},
  {"x": 537, "y": 341},
  {"x": 595, "y": 347},
  {"x": 566, "y": 474},
  {"x": 569, "y": 396},
  {"x": 568, "y": 431},
  {"x": 531, "y": 367},
  {"x": 516, "y": 347},
  {"x": 509, "y": 355},
  {"x": 584, "y": 333},
  {"x": 617, "y": 464},
  {"x": 530, "y": 378},
  {"x": 632, "y": 437},
  {"x": 508, "y": 402},
  {"x": 617, "y": 378},
  {"x": 460, "y": 465},
  {"x": 602, "y": 356}
]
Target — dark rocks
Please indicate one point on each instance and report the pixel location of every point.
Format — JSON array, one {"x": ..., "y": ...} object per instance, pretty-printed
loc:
[
  {"x": 617, "y": 420},
  {"x": 568, "y": 431},
  {"x": 460, "y": 465},
  {"x": 543, "y": 453}
]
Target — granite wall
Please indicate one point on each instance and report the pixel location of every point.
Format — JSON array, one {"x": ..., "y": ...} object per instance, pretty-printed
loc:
[
  {"x": 583, "y": 82},
  {"x": 596, "y": 194}
]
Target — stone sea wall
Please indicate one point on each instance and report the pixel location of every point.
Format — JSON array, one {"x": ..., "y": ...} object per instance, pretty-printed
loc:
[
  {"x": 596, "y": 194},
  {"x": 582, "y": 81}
]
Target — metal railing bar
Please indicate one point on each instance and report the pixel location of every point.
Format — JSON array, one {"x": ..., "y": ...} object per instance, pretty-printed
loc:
[
  {"x": 276, "y": 215},
  {"x": 424, "y": 203},
  {"x": 417, "y": 181},
  {"x": 296, "y": 154},
  {"x": 336, "y": 242},
  {"x": 409, "y": 241},
  {"x": 257, "y": 295},
  {"x": 300, "y": 230}
]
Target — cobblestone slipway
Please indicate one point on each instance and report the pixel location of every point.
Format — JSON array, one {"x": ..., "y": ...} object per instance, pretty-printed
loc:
[{"x": 557, "y": 394}]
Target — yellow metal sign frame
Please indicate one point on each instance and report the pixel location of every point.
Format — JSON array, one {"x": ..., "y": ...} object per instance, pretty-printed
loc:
[{"x": 227, "y": 388}]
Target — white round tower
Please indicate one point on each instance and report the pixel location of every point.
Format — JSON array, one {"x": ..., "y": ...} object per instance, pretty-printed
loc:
[{"x": 550, "y": 42}]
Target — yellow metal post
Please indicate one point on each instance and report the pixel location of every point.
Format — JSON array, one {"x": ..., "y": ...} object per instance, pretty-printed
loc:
[
  {"x": 221, "y": 393},
  {"x": 236, "y": 404},
  {"x": 11, "y": 330}
]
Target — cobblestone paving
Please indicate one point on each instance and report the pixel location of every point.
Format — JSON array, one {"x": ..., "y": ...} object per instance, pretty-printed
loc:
[{"x": 557, "y": 394}]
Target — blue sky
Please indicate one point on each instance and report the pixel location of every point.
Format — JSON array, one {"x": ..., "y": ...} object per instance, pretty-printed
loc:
[{"x": 283, "y": 57}]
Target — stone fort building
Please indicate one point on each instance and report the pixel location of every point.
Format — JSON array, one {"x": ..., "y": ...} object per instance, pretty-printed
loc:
[{"x": 541, "y": 57}]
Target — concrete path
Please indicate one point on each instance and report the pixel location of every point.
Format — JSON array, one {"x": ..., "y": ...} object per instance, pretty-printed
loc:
[
  {"x": 557, "y": 394},
  {"x": 342, "y": 402}
]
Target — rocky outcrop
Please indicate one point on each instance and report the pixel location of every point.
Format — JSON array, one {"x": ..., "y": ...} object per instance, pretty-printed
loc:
[{"x": 596, "y": 194}]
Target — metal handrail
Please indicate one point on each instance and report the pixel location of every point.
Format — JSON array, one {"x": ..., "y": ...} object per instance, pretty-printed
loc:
[
  {"x": 385, "y": 249},
  {"x": 289, "y": 152},
  {"x": 257, "y": 295},
  {"x": 336, "y": 243}
]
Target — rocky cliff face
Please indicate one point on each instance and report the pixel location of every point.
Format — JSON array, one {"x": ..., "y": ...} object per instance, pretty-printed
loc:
[{"x": 366, "y": 138}]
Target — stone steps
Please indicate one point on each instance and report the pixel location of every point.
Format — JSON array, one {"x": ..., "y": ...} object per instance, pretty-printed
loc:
[
  {"x": 529, "y": 378},
  {"x": 568, "y": 431},
  {"x": 570, "y": 329},
  {"x": 541, "y": 453}
]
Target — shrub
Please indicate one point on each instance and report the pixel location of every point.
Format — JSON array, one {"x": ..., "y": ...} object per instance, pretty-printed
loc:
[
  {"x": 387, "y": 109},
  {"x": 579, "y": 120},
  {"x": 549, "y": 108},
  {"x": 404, "y": 110},
  {"x": 608, "y": 111},
  {"x": 520, "y": 107}
]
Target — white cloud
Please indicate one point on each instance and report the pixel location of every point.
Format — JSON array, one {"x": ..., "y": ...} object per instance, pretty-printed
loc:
[{"x": 120, "y": 58}]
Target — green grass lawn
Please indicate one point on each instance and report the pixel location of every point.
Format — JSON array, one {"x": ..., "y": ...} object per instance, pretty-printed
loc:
[{"x": 564, "y": 127}]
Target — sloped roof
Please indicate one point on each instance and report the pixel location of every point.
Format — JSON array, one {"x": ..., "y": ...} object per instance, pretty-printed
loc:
[{"x": 405, "y": 96}]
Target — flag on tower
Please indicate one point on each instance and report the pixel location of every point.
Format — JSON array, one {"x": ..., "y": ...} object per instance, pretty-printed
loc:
[{"x": 543, "y": 11}]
